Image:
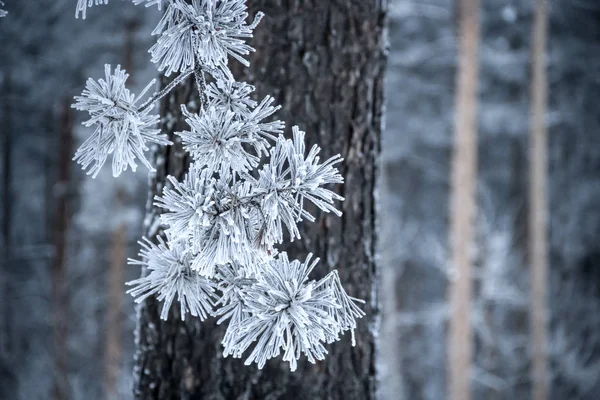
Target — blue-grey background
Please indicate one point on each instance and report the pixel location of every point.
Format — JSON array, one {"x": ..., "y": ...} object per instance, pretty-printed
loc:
[{"x": 45, "y": 57}]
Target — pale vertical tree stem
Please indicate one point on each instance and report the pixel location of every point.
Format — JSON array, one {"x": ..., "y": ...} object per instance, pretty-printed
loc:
[
  {"x": 538, "y": 209},
  {"x": 116, "y": 282},
  {"x": 463, "y": 203}
]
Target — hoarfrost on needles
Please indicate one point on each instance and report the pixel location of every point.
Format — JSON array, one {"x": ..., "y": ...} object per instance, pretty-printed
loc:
[
  {"x": 245, "y": 192},
  {"x": 286, "y": 313},
  {"x": 231, "y": 95},
  {"x": 121, "y": 127},
  {"x": 205, "y": 31},
  {"x": 82, "y": 6},
  {"x": 169, "y": 277}
]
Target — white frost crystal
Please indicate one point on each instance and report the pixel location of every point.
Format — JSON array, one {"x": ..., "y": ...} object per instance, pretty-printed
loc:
[
  {"x": 121, "y": 128},
  {"x": 82, "y": 6},
  {"x": 169, "y": 277},
  {"x": 245, "y": 192},
  {"x": 231, "y": 95},
  {"x": 207, "y": 31},
  {"x": 286, "y": 312}
]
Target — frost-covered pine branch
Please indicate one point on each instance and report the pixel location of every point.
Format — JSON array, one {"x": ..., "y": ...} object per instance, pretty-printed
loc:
[
  {"x": 244, "y": 194},
  {"x": 3, "y": 13}
]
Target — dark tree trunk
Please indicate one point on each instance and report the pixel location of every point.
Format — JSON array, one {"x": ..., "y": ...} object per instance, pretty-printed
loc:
[
  {"x": 324, "y": 63},
  {"x": 7, "y": 149},
  {"x": 60, "y": 301},
  {"x": 7, "y": 296}
]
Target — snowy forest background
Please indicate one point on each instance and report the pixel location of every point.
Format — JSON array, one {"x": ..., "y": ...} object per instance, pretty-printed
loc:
[{"x": 60, "y": 230}]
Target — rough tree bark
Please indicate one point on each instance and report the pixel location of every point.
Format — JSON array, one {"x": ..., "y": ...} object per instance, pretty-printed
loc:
[
  {"x": 463, "y": 204},
  {"x": 538, "y": 208},
  {"x": 324, "y": 63}
]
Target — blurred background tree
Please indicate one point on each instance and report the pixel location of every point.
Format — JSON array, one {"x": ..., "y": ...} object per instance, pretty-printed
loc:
[{"x": 417, "y": 147}]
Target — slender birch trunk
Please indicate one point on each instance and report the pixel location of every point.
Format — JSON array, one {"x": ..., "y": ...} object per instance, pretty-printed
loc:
[
  {"x": 114, "y": 323},
  {"x": 463, "y": 204},
  {"x": 538, "y": 208}
]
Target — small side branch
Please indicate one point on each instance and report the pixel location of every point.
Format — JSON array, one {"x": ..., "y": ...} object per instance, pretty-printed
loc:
[
  {"x": 200, "y": 83},
  {"x": 159, "y": 95}
]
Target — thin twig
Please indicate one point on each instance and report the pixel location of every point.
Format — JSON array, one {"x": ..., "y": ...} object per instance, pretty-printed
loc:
[
  {"x": 200, "y": 82},
  {"x": 159, "y": 95}
]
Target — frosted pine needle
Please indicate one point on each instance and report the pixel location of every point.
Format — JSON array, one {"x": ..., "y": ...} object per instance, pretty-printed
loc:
[
  {"x": 150, "y": 3},
  {"x": 82, "y": 6},
  {"x": 347, "y": 311}
]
